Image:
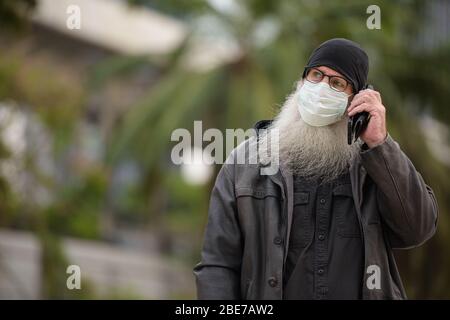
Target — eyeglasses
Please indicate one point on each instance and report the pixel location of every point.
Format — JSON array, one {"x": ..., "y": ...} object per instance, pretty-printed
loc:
[{"x": 336, "y": 83}]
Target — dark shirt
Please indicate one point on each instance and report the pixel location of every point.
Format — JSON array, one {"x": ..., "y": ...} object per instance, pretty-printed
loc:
[{"x": 325, "y": 255}]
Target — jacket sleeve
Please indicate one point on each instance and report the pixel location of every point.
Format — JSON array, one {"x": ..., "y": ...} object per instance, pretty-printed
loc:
[
  {"x": 218, "y": 273},
  {"x": 407, "y": 206}
]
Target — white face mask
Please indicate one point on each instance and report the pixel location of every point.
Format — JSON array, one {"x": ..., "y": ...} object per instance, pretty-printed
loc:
[{"x": 319, "y": 105}]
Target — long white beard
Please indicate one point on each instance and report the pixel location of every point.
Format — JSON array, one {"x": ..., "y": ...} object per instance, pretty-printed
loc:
[{"x": 311, "y": 151}]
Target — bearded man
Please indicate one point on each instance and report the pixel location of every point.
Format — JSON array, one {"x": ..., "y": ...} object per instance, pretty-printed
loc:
[{"x": 325, "y": 224}]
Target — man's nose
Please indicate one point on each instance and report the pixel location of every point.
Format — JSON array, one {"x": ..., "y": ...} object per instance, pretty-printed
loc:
[{"x": 327, "y": 81}]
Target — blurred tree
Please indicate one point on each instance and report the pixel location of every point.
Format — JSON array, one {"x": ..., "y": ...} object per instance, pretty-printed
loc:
[
  {"x": 57, "y": 103},
  {"x": 14, "y": 13}
]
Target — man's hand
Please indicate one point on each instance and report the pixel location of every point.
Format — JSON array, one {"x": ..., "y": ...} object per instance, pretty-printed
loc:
[{"x": 370, "y": 101}]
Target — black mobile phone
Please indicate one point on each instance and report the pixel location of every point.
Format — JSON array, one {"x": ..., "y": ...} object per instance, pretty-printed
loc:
[{"x": 357, "y": 123}]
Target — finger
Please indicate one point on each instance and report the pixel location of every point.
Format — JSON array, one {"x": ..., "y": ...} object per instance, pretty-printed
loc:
[
  {"x": 359, "y": 99},
  {"x": 369, "y": 108},
  {"x": 377, "y": 95},
  {"x": 374, "y": 94},
  {"x": 362, "y": 107}
]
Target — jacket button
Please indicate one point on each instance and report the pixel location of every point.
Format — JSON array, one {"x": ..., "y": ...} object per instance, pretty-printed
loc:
[
  {"x": 321, "y": 237},
  {"x": 273, "y": 282},
  {"x": 320, "y": 271},
  {"x": 277, "y": 241},
  {"x": 322, "y": 201}
]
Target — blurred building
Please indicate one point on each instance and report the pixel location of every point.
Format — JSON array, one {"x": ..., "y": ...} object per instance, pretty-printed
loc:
[{"x": 113, "y": 271}]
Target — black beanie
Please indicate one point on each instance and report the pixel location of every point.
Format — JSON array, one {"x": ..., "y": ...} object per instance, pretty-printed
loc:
[{"x": 343, "y": 56}]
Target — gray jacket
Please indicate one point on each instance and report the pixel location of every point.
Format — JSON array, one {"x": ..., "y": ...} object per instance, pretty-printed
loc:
[{"x": 242, "y": 257}]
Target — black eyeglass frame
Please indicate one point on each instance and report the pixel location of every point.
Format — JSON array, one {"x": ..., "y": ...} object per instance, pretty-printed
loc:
[{"x": 329, "y": 78}]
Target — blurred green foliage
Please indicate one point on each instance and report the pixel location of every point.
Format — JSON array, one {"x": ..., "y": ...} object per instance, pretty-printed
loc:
[{"x": 13, "y": 13}]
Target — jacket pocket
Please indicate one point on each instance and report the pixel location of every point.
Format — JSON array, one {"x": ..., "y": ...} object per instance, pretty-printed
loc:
[
  {"x": 302, "y": 229},
  {"x": 345, "y": 212},
  {"x": 257, "y": 193},
  {"x": 257, "y": 206}
]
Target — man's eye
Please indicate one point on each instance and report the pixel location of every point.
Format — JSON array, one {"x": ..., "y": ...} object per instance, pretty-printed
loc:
[
  {"x": 338, "y": 84},
  {"x": 316, "y": 75}
]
